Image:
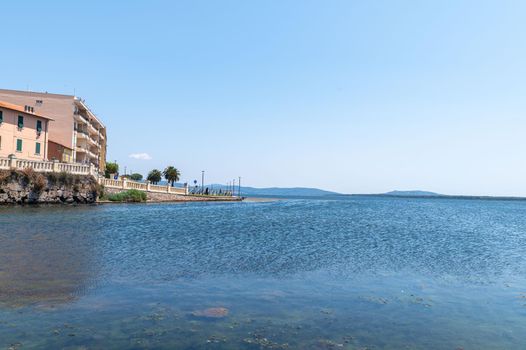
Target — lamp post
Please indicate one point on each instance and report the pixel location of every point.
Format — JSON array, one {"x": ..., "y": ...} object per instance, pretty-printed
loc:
[{"x": 203, "y": 181}]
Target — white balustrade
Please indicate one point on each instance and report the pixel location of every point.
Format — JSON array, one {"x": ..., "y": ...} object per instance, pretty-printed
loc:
[
  {"x": 141, "y": 186},
  {"x": 47, "y": 166},
  {"x": 4, "y": 163}
]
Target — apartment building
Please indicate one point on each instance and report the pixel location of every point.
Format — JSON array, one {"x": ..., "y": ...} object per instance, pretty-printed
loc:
[
  {"x": 23, "y": 132},
  {"x": 77, "y": 135}
]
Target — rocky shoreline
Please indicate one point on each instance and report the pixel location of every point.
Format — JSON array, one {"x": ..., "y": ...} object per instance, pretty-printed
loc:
[{"x": 30, "y": 187}]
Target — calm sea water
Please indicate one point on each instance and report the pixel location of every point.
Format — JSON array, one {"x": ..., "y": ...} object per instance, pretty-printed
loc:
[{"x": 359, "y": 273}]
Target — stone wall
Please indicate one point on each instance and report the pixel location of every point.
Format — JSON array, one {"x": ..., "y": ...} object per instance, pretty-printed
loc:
[
  {"x": 29, "y": 187},
  {"x": 171, "y": 197}
]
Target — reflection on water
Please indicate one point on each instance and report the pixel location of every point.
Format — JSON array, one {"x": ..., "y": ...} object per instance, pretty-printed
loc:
[
  {"x": 40, "y": 263},
  {"x": 297, "y": 274}
]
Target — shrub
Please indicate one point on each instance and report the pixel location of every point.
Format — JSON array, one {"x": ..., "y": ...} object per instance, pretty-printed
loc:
[
  {"x": 30, "y": 177},
  {"x": 65, "y": 179},
  {"x": 38, "y": 182},
  {"x": 5, "y": 175},
  {"x": 111, "y": 168},
  {"x": 52, "y": 178},
  {"x": 27, "y": 174},
  {"x": 128, "y": 196}
]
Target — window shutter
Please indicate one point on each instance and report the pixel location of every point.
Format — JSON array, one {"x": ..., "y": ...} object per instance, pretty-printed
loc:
[
  {"x": 37, "y": 149},
  {"x": 20, "y": 121},
  {"x": 39, "y": 125},
  {"x": 19, "y": 145}
]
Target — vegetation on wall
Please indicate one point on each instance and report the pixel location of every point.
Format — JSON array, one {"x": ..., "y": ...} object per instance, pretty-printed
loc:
[
  {"x": 37, "y": 182},
  {"x": 128, "y": 196}
]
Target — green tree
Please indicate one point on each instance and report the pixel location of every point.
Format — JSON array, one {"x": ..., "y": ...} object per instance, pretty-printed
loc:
[
  {"x": 154, "y": 176},
  {"x": 136, "y": 177},
  {"x": 111, "y": 168},
  {"x": 171, "y": 174}
]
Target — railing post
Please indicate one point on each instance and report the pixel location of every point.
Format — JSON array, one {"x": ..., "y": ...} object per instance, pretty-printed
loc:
[
  {"x": 148, "y": 185},
  {"x": 91, "y": 170},
  {"x": 124, "y": 182},
  {"x": 12, "y": 161},
  {"x": 168, "y": 188},
  {"x": 185, "y": 189},
  {"x": 56, "y": 166}
]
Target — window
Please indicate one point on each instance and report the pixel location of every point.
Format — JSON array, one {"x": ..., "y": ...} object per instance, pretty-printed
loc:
[
  {"x": 37, "y": 148},
  {"x": 39, "y": 125},
  {"x": 1, "y": 117},
  {"x": 20, "y": 121},
  {"x": 19, "y": 145}
]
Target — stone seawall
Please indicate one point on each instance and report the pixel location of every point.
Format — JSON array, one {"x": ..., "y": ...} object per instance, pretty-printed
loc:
[
  {"x": 29, "y": 187},
  {"x": 171, "y": 197}
]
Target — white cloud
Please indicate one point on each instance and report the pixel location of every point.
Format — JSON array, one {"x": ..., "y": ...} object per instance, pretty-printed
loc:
[{"x": 140, "y": 156}]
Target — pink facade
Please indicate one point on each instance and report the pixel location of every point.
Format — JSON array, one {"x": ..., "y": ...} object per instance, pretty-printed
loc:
[
  {"x": 77, "y": 134},
  {"x": 23, "y": 133}
]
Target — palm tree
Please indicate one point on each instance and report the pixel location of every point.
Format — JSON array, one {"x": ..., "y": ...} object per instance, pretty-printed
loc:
[
  {"x": 154, "y": 176},
  {"x": 171, "y": 174}
]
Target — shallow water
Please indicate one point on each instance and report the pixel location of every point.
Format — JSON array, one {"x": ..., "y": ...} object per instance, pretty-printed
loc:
[{"x": 354, "y": 273}]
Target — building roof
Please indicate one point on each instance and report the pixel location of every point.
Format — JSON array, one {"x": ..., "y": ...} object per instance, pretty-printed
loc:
[
  {"x": 21, "y": 109},
  {"x": 37, "y": 94}
]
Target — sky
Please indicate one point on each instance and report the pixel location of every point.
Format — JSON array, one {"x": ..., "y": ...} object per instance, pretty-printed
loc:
[{"x": 350, "y": 96}]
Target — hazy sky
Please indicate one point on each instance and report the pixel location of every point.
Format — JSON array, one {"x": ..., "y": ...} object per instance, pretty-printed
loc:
[{"x": 352, "y": 96}]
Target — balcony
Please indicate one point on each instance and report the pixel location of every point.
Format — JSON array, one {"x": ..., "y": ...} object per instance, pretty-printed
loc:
[
  {"x": 92, "y": 129},
  {"x": 92, "y": 141},
  {"x": 86, "y": 152},
  {"x": 92, "y": 155},
  {"x": 81, "y": 119}
]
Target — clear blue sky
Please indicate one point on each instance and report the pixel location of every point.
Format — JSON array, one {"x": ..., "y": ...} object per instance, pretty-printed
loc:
[{"x": 352, "y": 96}]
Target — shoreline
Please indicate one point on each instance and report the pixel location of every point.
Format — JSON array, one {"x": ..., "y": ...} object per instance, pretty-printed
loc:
[{"x": 222, "y": 200}]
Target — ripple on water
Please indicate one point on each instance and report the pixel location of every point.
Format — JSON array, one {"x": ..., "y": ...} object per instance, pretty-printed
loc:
[{"x": 299, "y": 273}]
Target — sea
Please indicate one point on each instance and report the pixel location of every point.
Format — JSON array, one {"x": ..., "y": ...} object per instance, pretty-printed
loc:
[{"x": 317, "y": 273}]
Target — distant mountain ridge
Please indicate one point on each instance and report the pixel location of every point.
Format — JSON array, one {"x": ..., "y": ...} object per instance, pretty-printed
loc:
[
  {"x": 412, "y": 193},
  {"x": 278, "y": 191},
  {"x": 286, "y": 191}
]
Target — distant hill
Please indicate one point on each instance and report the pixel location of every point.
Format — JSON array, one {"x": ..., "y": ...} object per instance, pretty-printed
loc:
[
  {"x": 412, "y": 194},
  {"x": 278, "y": 191},
  {"x": 291, "y": 191}
]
